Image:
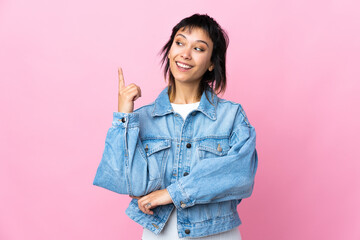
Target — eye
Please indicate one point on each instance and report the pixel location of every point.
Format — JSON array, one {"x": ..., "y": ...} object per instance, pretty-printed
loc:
[
  {"x": 199, "y": 49},
  {"x": 178, "y": 43}
]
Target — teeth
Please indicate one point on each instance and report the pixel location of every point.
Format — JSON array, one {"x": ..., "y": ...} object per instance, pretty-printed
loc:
[{"x": 182, "y": 65}]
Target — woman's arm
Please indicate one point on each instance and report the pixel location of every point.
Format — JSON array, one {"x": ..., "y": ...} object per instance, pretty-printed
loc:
[
  {"x": 124, "y": 167},
  {"x": 221, "y": 178}
]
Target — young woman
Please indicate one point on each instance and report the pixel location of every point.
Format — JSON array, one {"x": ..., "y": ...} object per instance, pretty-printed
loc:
[{"x": 188, "y": 158}]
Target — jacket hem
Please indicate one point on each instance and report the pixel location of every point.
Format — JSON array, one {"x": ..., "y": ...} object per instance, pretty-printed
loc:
[{"x": 197, "y": 229}]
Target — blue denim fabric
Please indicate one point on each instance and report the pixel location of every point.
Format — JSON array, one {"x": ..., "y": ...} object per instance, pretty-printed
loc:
[{"x": 207, "y": 162}]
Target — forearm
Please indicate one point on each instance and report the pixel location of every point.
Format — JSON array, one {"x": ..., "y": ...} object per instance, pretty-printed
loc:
[
  {"x": 219, "y": 179},
  {"x": 124, "y": 166}
]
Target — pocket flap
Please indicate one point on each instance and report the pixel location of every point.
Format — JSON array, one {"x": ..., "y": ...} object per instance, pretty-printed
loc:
[
  {"x": 155, "y": 145},
  {"x": 217, "y": 146}
]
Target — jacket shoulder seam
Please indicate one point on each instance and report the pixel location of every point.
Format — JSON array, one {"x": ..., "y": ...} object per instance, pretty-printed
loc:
[{"x": 240, "y": 108}]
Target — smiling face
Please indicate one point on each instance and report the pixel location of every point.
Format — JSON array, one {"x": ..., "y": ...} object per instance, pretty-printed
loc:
[{"x": 190, "y": 55}]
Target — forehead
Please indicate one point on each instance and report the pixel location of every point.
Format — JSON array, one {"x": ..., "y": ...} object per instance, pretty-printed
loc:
[{"x": 195, "y": 32}]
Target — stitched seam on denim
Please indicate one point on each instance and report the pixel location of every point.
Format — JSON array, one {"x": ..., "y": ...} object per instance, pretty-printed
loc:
[
  {"x": 168, "y": 145},
  {"x": 125, "y": 139},
  {"x": 155, "y": 138},
  {"x": 184, "y": 193},
  {"x": 163, "y": 218},
  {"x": 212, "y": 150},
  {"x": 244, "y": 116},
  {"x": 218, "y": 230},
  {"x": 140, "y": 150},
  {"x": 128, "y": 178},
  {"x": 171, "y": 197},
  {"x": 166, "y": 153},
  {"x": 127, "y": 171},
  {"x": 215, "y": 219},
  {"x": 210, "y": 137}
]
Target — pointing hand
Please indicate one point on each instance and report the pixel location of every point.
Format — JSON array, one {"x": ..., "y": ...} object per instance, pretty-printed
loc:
[{"x": 127, "y": 94}]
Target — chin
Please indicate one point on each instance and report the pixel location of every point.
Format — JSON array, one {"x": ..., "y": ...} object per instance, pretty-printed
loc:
[
  {"x": 186, "y": 80},
  {"x": 181, "y": 77}
]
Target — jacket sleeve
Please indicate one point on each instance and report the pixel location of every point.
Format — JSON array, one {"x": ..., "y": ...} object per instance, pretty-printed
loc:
[
  {"x": 223, "y": 178},
  {"x": 124, "y": 167}
]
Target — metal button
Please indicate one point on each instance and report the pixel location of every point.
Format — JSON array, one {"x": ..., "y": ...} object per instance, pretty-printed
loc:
[
  {"x": 186, "y": 173},
  {"x": 188, "y": 145},
  {"x": 182, "y": 204},
  {"x": 123, "y": 120},
  {"x": 187, "y": 231},
  {"x": 219, "y": 148},
  {"x": 156, "y": 226},
  {"x": 146, "y": 148}
]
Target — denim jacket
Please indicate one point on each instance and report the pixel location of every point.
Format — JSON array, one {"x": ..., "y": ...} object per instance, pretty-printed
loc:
[{"x": 207, "y": 162}]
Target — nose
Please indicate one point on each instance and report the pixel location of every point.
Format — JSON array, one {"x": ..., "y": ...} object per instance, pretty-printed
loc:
[{"x": 186, "y": 53}]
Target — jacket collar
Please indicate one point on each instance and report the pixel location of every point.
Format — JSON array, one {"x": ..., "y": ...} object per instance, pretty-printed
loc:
[{"x": 162, "y": 104}]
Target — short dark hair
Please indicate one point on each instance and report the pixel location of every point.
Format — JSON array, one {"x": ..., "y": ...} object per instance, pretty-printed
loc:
[{"x": 215, "y": 79}]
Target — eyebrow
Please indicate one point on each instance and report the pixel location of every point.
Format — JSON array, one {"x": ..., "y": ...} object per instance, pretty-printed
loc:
[{"x": 196, "y": 40}]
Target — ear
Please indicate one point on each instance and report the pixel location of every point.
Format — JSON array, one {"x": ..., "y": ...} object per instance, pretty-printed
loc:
[
  {"x": 211, "y": 67},
  {"x": 169, "y": 56}
]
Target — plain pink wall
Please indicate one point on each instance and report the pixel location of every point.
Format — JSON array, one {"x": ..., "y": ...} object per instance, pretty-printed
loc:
[{"x": 293, "y": 65}]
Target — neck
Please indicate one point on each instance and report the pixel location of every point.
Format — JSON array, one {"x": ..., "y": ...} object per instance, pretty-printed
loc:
[{"x": 185, "y": 94}]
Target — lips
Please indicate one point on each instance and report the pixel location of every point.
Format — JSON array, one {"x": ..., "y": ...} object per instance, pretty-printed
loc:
[{"x": 183, "y": 66}]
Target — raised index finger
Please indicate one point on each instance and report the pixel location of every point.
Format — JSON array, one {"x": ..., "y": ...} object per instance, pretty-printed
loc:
[{"x": 121, "y": 79}]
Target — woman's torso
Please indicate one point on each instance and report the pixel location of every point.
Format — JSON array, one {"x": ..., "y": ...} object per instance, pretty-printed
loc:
[
  {"x": 179, "y": 146},
  {"x": 170, "y": 230}
]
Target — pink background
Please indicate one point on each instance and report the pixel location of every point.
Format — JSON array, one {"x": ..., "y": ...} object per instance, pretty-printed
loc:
[{"x": 293, "y": 65}]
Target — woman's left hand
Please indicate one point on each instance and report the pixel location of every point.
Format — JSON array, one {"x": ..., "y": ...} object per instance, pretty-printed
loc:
[{"x": 152, "y": 200}]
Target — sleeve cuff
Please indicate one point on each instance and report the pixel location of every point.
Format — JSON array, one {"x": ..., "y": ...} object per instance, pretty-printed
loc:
[
  {"x": 180, "y": 199},
  {"x": 125, "y": 120}
]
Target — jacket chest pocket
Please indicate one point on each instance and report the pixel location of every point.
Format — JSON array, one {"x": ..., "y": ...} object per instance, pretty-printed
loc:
[
  {"x": 210, "y": 148},
  {"x": 156, "y": 151}
]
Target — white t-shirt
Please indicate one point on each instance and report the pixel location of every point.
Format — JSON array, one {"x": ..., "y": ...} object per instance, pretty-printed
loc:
[
  {"x": 184, "y": 109},
  {"x": 170, "y": 230}
]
